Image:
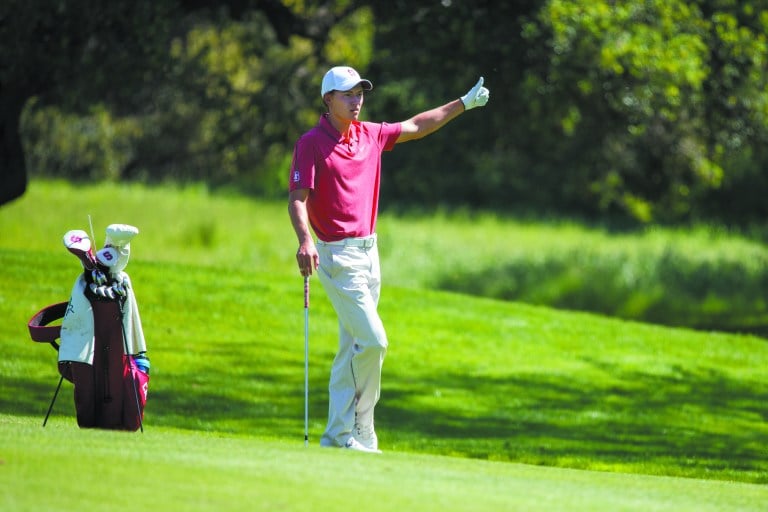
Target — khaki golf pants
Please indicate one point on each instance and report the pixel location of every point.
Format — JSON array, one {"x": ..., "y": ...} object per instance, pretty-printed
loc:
[{"x": 351, "y": 277}]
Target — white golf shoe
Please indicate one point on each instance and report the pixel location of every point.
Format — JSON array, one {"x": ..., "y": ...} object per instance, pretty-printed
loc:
[
  {"x": 354, "y": 444},
  {"x": 366, "y": 435}
]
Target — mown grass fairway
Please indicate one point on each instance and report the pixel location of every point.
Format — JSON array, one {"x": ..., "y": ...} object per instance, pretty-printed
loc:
[
  {"x": 167, "y": 469},
  {"x": 538, "y": 394}
]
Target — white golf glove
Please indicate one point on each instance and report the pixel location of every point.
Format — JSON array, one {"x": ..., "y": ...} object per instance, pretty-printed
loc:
[{"x": 476, "y": 97}]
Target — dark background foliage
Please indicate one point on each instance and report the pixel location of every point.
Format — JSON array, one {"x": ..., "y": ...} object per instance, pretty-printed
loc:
[{"x": 636, "y": 111}]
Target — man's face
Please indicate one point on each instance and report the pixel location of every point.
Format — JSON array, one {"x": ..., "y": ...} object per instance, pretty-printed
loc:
[{"x": 345, "y": 105}]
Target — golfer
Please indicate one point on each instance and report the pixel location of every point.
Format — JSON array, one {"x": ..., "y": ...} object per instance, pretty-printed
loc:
[{"x": 334, "y": 188}]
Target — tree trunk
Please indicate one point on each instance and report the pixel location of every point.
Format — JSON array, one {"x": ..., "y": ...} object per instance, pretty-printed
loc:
[{"x": 13, "y": 171}]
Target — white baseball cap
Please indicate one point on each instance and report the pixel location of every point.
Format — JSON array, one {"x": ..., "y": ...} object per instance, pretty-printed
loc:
[{"x": 343, "y": 78}]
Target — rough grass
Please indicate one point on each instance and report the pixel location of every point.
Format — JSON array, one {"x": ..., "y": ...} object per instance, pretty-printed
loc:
[{"x": 705, "y": 277}]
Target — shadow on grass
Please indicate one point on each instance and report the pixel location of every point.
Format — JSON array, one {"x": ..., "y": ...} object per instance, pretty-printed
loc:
[
  {"x": 700, "y": 421},
  {"x": 224, "y": 388},
  {"x": 31, "y": 397}
]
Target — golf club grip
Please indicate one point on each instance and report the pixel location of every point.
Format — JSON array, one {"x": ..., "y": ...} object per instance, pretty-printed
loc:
[{"x": 306, "y": 292}]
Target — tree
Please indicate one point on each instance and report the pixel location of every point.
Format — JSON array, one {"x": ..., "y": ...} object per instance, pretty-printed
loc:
[
  {"x": 660, "y": 96},
  {"x": 235, "y": 99},
  {"x": 646, "y": 110},
  {"x": 84, "y": 53},
  {"x": 638, "y": 109},
  {"x": 52, "y": 49},
  {"x": 428, "y": 53}
]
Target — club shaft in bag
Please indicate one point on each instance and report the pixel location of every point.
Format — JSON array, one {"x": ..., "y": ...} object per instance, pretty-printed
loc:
[
  {"x": 55, "y": 394},
  {"x": 130, "y": 363},
  {"x": 306, "y": 360}
]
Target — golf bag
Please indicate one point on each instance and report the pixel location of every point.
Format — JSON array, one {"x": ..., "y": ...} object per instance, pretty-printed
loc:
[{"x": 102, "y": 349}]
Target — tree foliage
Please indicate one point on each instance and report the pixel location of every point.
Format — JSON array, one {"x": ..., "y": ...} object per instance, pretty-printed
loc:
[
  {"x": 657, "y": 90},
  {"x": 229, "y": 96},
  {"x": 650, "y": 110},
  {"x": 70, "y": 53},
  {"x": 642, "y": 109}
]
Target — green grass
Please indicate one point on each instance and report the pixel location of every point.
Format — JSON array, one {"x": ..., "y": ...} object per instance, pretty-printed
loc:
[
  {"x": 169, "y": 469},
  {"x": 706, "y": 277},
  {"x": 484, "y": 401}
]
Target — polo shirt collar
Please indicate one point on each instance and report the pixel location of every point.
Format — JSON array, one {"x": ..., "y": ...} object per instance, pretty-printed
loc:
[{"x": 328, "y": 128}]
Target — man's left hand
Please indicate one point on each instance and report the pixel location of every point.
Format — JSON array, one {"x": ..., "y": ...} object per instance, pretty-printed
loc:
[{"x": 476, "y": 97}]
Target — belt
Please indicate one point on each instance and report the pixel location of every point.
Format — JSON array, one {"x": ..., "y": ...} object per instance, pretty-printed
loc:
[{"x": 362, "y": 242}]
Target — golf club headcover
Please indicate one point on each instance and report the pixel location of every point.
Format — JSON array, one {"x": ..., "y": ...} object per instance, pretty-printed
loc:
[
  {"x": 120, "y": 234},
  {"x": 78, "y": 243},
  {"x": 119, "y": 238}
]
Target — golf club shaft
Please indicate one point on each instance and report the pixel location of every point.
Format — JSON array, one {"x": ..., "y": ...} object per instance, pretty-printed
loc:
[
  {"x": 306, "y": 360},
  {"x": 127, "y": 353}
]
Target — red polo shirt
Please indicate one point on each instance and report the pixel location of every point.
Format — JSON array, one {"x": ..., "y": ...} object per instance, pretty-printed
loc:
[{"x": 343, "y": 176}]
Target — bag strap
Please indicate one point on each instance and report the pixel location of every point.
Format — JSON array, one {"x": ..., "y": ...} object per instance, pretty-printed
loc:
[{"x": 39, "y": 329}]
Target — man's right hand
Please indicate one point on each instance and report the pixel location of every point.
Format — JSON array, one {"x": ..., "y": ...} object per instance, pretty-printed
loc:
[{"x": 307, "y": 258}]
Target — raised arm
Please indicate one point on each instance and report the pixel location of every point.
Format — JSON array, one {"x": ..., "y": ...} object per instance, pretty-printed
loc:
[{"x": 430, "y": 121}]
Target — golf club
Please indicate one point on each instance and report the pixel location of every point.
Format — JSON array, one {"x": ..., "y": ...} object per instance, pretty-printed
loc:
[{"x": 306, "y": 360}]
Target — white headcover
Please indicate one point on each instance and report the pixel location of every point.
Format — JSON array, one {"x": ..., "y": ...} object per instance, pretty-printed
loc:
[
  {"x": 119, "y": 236},
  {"x": 108, "y": 256},
  {"x": 77, "y": 239}
]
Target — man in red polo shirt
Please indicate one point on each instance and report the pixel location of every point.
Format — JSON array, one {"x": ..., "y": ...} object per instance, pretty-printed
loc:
[{"x": 334, "y": 188}]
